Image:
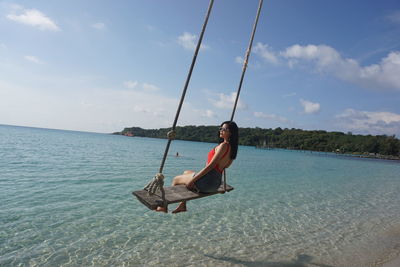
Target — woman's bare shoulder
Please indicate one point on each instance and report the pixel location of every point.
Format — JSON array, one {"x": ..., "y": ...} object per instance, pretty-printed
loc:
[{"x": 223, "y": 146}]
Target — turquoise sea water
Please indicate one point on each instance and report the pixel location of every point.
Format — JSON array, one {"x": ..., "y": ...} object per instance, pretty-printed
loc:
[{"x": 66, "y": 201}]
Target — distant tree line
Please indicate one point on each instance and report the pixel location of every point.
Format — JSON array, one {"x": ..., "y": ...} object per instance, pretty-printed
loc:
[{"x": 284, "y": 138}]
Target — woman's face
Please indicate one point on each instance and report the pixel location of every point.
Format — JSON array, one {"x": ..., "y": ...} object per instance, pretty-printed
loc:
[{"x": 224, "y": 131}]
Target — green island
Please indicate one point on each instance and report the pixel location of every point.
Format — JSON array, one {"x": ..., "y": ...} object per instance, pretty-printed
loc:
[{"x": 371, "y": 146}]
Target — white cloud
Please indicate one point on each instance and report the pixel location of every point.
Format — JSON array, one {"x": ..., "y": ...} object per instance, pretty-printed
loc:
[
  {"x": 130, "y": 84},
  {"x": 188, "y": 41},
  {"x": 87, "y": 109},
  {"x": 35, "y": 18},
  {"x": 368, "y": 122},
  {"x": 227, "y": 101},
  {"x": 394, "y": 17},
  {"x": 205, "y": 115},
  {"x": 99, "y": 25},
  {"x": 310, "y": 107},
  {"x": 74, "y": 106},
  {"x": 209, "y": 114},
  {"x": 239, "y": 60},
  {"x": 150, "y": 87},
  {"x": 328, "y": 60},
  {"x": 265, "y": 52},
  {"x": 289, "y": 95},
  {"x": 274, "y": 117},
  {"x": 33, "y": 59},
  {"x": 143, "y": 86},
  {"x": 153, "y": 112}
]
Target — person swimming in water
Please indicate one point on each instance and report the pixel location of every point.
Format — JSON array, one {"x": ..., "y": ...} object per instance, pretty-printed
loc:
[{"x": 209, "y": 179}]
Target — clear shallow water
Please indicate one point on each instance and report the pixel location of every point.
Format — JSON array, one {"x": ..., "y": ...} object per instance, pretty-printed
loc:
[{"x": 66, "y": 200}]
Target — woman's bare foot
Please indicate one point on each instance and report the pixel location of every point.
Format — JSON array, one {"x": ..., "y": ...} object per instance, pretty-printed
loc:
[
  {"x": 181, "y": 208},
  {"x": 161, "y": 209}
]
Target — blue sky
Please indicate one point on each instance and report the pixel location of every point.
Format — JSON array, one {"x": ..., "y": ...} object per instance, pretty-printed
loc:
[{"x": 104, "y": 65}]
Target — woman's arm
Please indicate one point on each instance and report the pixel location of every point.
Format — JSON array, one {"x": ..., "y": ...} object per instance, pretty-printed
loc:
[{"x": 219, "y": 152}]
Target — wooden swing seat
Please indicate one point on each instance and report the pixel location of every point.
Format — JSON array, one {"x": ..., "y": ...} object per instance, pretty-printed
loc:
[{"x": 173, "y": 194}]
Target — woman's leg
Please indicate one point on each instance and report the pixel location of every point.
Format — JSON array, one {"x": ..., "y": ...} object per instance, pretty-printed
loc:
[
  {"x": 184, "y": 178},
  {"x": 181, "y": 207}
]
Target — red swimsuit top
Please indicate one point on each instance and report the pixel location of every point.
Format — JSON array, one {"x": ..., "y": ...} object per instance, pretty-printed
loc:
[{"x": 211, "y": 156}]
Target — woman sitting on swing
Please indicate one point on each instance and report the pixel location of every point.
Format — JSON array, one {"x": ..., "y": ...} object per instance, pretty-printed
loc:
[{"x": 209, "y": 179}]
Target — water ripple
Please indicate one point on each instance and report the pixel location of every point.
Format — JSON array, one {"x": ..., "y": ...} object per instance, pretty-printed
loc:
[{"x": 66, "y": 200}]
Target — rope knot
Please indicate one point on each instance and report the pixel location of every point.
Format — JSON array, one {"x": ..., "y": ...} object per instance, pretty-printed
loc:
[
  {"x": 155, "y": 183},
  {"x": 171, "y": 135}
]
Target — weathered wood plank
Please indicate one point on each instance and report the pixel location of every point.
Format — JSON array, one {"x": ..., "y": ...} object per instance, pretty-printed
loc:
[{"x": 173, "y": 194}]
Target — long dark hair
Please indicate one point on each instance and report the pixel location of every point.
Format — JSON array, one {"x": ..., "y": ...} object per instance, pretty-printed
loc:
[{"x": 233, "y": 139}]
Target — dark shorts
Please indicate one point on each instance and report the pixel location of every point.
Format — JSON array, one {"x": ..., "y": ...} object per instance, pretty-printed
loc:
[{"x": 210, "y": 182}]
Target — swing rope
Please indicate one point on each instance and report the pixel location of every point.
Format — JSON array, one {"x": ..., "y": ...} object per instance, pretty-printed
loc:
[
  {"x": 171, "y": 134},
  {"x": 158, "y": 181},
  {"x": 246, "y": 60}
]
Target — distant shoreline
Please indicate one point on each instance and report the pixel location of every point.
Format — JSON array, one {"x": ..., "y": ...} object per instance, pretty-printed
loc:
[
  {"x": 357, "y": 145},
  {"x": 353, "y": 155},
  {"x": 332, "y": 153}
]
